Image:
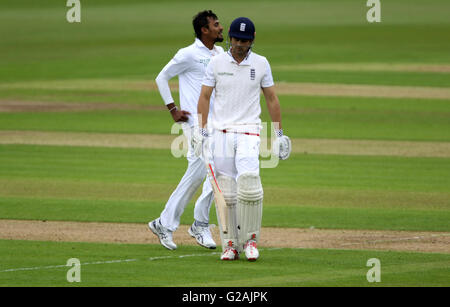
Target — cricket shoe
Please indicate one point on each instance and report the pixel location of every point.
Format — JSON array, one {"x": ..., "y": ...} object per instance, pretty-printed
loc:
[
  {"x": 230, "y": 253},
  {"x": 164, "y": 235},
  {"x": 251, "y": 251},
  {"x": 203, "y": 236}
]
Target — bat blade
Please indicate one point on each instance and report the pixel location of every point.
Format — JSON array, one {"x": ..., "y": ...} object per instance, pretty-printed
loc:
[{"x": 219, "y": 200}]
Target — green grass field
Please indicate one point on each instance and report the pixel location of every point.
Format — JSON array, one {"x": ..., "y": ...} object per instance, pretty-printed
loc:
[
  {"x": 109, "y": 61},
  {"x": 137, "y": 265}
]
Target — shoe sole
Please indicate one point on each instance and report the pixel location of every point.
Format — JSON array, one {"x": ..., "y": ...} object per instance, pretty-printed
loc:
[
  {"x": 150, "y": 226},
  {"x": 205, "y": 246},
  {"x": 228, "y": 259},
  {"x": 253, "y": 259}
]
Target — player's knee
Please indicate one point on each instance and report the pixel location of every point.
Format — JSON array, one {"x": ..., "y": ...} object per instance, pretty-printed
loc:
[
  {"x": 197, "y": 172},
  {"x": 249, "y": 188},
  {"x": 197, "y": 179}
]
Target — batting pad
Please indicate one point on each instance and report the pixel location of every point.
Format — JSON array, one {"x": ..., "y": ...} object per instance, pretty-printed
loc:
[
  {"x": 229, "y": 190},
  {"x": 249, "y": 207}
]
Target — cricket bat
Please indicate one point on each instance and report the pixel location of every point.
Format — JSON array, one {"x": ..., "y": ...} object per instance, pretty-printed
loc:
[{"x": 221, "y": 205}]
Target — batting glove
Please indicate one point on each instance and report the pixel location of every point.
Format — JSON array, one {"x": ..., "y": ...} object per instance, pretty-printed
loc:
[
  {"x": 284, "y": 145},
  {"x": 197, "y": 141}
]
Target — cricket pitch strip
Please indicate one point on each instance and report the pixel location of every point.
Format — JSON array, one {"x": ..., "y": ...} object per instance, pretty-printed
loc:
[{"x": 131, "y": 233}]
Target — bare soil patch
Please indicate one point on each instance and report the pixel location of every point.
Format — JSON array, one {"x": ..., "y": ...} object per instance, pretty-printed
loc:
[
  {"x": 288, "y": 88},
  {"x": 438, "y": 242},
  {"x": 156, "y": 141},
  {"x": 434, "y": 68},
  {"x": 372, "y": 147},
  {"x": 352, "y": 90}
]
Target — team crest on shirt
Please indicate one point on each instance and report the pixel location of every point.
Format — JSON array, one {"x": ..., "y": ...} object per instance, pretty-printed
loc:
[
  {"x": 252, "y": 74},
  {"x": 205, "y": 62}
]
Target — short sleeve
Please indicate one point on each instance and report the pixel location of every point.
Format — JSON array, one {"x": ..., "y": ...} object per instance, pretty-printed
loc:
[
  {"x": 267, "y": 80},
  {"x": 209, "y": 79}
]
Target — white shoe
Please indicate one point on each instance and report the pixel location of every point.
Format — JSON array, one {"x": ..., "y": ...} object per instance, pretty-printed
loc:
[
  {"x": 230, "y": 253},
  {"x": 202, "y": 235},
  {"x": 251, "y": 251},
  {"x": 164, "y": 235}
]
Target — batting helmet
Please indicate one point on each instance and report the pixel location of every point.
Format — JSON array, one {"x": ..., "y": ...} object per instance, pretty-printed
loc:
[{"x": 242, "y": 28}]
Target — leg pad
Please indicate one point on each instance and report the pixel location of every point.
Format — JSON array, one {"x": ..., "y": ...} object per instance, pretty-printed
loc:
[{"x": 249, "y": 206}]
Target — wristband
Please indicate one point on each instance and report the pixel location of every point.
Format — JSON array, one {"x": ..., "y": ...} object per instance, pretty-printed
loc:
[
  {"x": 175, "y": 107},
  {"x": 203, "y": 132},
  {"x": 279, "y": 132}
]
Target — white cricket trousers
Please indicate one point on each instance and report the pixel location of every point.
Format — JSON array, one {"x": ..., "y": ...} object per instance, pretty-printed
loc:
[
  {"x": 235, "y": 153},
  {"x": 193, "y": 177}
]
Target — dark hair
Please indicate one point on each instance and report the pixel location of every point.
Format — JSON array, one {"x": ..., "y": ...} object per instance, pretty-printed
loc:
[{"x": 201, "y": 20}]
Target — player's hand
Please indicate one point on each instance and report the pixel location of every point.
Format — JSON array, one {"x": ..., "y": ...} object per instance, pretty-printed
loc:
[
  {"x": 197, "y": 141},
  {"x": 284, "y": 145},
  {"x": 180, "y": 115}
]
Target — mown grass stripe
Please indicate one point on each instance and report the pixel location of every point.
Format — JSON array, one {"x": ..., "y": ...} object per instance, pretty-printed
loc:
[
  {"x": 284, "y": 88},
  {"x": 175, "y": 142}
]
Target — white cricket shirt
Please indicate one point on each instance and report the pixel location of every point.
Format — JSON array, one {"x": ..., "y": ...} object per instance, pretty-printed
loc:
[
  {"x": 237, "y": 89},
  {"x": 189, "y": 64}
]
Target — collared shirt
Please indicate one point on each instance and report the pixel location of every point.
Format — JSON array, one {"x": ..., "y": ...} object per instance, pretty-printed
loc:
[
  {"x": 237, "y": 89},
  {"x": 189, "y": 64}
]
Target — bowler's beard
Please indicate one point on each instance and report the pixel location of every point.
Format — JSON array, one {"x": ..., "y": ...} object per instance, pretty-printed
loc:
[{"x": 218, "y": 39}]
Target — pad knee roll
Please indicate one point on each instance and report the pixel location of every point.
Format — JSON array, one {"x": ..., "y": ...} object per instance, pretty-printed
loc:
[
  {"x": 229, "y": 189},
  {"x": 250, "y": 191}
]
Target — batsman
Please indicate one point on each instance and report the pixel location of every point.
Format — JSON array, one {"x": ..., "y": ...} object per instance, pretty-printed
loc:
[{"x": 233, "y": 135}]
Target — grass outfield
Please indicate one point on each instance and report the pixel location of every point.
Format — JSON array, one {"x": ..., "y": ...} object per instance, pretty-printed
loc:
[
  {"x": 308, "y": 190},
  {"x": 98, "y": 76},
  {"x": 278, "y": 216},
  {"x": 306, "y": 117},
  {"x": 149, "y": 265},
  {"x": 289, "y": 32},
  {"x": 129, "y": 165}
]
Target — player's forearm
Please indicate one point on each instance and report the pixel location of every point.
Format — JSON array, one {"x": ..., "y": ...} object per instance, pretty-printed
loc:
[
  {"x": 275, "y": 111},
  {"x": 273, "y": 105},
  {"x": 203, "y": 105},
  {"x": 203, "y": 111},
  {"x": 162, "y": 81}
]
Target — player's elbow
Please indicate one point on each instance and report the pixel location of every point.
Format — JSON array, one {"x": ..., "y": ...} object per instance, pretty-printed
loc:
[
  {"x": 203, "y": 101},
  {"x": 162, "y": 79},
  {"x": 159, "y": 78},
  {"x": 272, "y": 99},
  {"x": 206, "y": 93}
]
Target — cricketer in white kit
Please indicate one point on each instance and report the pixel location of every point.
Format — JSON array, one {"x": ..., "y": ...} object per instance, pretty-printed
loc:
[
  {"x": 189, "y": 65},
  {"x": 232, "y": 135}
]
